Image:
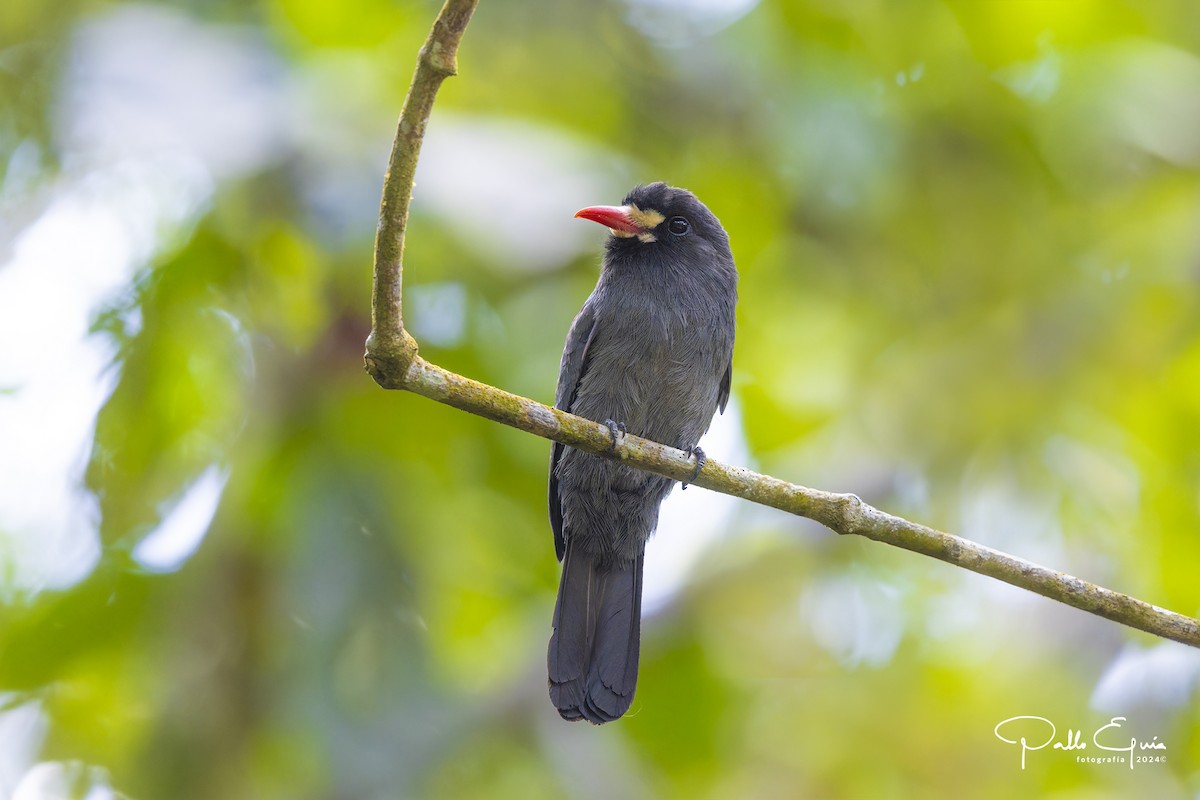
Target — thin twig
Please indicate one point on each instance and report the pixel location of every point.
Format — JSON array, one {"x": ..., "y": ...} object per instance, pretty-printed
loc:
[{"x": 393, "y": 361}]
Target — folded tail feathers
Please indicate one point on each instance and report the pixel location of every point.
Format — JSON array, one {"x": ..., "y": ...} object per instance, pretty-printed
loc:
[{"x": 593, "y": 655}]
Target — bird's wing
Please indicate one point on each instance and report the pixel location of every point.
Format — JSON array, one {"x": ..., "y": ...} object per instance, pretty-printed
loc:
[
  {"x": 570, "y": 373},
  {"x": 723, "y": 391}
]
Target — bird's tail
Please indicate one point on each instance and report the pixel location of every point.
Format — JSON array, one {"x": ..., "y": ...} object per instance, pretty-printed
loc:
[{"x": 594, "y": 649}]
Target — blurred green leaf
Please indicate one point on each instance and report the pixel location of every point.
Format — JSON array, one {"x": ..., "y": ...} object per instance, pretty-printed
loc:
[{"x": 966, "y": 240}]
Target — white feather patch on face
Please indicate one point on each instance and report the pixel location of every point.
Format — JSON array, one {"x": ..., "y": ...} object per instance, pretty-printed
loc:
[
  {"x": 644, "y": 236},
  {"x": 647, "y": 219}
]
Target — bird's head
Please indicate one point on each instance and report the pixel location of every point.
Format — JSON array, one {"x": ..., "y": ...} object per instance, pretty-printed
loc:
[{"x": 671, "y": 223}]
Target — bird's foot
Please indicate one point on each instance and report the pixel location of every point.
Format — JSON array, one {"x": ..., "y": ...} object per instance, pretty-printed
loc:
[
  {"x": 701, "y": 460},
  {"x": 617, "y": 430}
]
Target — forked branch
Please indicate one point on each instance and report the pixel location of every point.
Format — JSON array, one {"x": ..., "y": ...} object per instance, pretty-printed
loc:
[{"x": 392, "y": 360}]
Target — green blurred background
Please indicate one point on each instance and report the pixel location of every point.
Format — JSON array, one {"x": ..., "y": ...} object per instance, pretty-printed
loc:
[{"x": 232, "y": 567}]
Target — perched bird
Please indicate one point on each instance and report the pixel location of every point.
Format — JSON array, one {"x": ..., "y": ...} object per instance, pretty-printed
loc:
[{"x": 651, "y": 353}]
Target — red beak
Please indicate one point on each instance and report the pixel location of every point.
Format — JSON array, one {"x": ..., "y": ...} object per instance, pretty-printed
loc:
[{"x": 615, "y": 217}]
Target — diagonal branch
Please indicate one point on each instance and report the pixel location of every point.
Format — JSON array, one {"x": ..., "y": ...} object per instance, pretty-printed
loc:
[{"x": 392, "y": 361}]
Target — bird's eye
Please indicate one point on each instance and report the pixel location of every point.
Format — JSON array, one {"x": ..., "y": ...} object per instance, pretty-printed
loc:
[{"x": 678, "y": 226}]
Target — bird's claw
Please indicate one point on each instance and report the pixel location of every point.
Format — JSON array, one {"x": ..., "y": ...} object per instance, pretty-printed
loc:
[
  {"x": 701, "y": 459},
  {"x": 616, "y": 430}
]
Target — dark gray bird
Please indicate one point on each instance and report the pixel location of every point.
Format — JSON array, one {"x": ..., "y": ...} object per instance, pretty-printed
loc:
[{"x": 652, "y": 349}]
